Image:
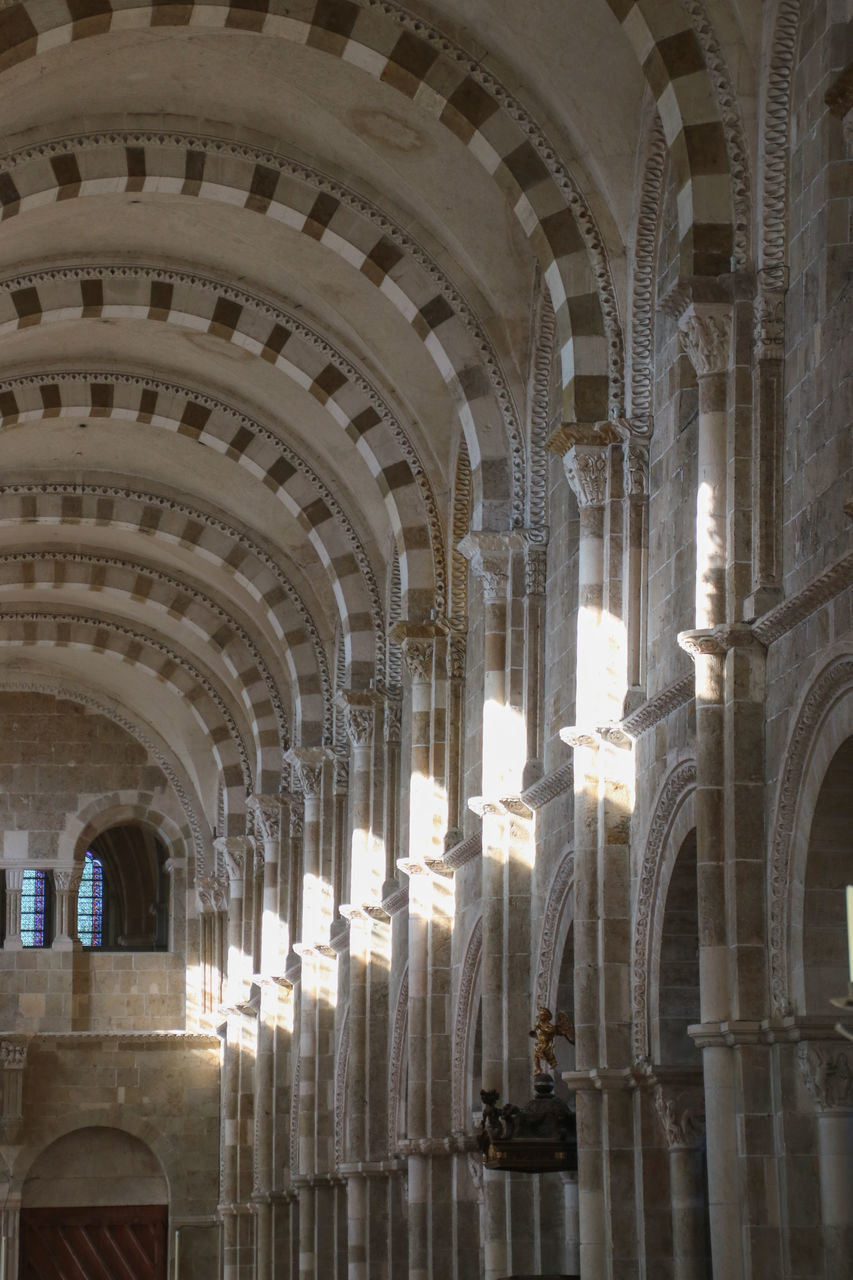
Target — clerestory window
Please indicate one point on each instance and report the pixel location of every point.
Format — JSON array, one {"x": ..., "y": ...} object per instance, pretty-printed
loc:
[{"x": 34, "y": 905}]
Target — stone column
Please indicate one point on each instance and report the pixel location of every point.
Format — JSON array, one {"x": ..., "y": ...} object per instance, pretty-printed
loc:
[
  {"x": 234, "y": 851},
  {"x": 365, "y": 886},
  {"x": 212, "y": 892},
  {"x": 266, "y": 811},
  {"x": 497, "y": 561},
  {"x": 419, "y": 642},
  {"x": 314, "y": 990},
  {"x": 65, "y": 885},
  {"x": 768, "y": 394},
  {"x": 828, "y": 1076},
  {"x": 683, "y": 1130},
  {"x": 392, "y": 737},
  {"x": 14, "y": 890}
]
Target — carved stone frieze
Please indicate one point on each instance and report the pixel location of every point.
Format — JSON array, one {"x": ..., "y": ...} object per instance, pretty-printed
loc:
[
  {"x": 791, "y": 612},
  {"x": 650, "y": 713}
]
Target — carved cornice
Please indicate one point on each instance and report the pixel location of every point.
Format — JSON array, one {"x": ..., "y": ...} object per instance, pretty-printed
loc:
[
  {"x": 663, "y": 704},
  {"x": 797, "y": 608},
  {"x": 828, "y": 1076},
  {"x": 546, "y": 789},
  {"x": 465, "y": 851}
]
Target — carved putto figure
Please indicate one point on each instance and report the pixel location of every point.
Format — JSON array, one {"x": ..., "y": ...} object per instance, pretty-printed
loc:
[{"x": 545, "y": 1033}]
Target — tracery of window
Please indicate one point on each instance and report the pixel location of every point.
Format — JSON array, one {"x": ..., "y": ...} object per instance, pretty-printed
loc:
[
  {"x": 90, "y": 903},
  {"x": 33, "y": 908}
]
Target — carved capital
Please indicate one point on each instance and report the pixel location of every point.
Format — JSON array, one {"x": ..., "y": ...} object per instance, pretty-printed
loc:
[
  {"x": 417, "y": 643},
  {"x": 68, "y": 880},
  {"x": 488, "y": 553},
  {"x": 586, "y": 471},
  {"x": 703, "y": 642},
  {"x": 234, "y": 850},
  {"x": 827, "y": 1075},
  {"x": 682, "y": 1123},
  {"x": 212, "y": 893},
  {"x": 574, "y": 736},
  {"x": 706, "y": 330},
  {"x": 14, "y": 879},
  {"x": 266, "y": 811},
  {"x": 308, "y": 763},
  {"x": 359, "y": 715},
  {"x": 12, "y": 1056}
]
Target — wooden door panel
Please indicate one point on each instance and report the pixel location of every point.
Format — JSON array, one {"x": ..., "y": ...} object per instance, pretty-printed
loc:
[{"x": 101, "y": 1243}]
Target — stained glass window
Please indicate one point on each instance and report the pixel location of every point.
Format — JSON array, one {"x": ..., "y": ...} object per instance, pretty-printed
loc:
[
  {"x": 33, "y": 908},
  {"x": 90, "y": 903}
]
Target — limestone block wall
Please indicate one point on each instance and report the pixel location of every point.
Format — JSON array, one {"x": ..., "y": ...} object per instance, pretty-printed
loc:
[
  {"x": 818, "y": 461},
  {"x": 56, "y": 757},
  {"x": 161, "y": 1090}
]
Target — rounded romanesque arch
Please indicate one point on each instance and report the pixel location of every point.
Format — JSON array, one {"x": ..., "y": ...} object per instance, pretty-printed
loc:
[
  {"x": 672, "y": 819},
  {"x": 823, "y": 721},
  {"x": 467, "y": 1005}
]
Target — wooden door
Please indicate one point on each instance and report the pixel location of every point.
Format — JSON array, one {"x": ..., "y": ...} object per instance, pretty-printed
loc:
[{"x": 101, "y": 1243}]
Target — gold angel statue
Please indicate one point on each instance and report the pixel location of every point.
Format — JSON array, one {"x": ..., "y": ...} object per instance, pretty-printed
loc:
[{"x": 545, "y": 1033}]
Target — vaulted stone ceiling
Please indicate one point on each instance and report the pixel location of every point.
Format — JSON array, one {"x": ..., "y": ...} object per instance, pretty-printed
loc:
[{"x": 262, "y": 272}]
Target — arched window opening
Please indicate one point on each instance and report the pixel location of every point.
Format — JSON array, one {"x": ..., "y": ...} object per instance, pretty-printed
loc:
[
  {"x": 123, "y": 899},
  {"x": 34, "y": 908},
  {"x": 90, "y": 903}
]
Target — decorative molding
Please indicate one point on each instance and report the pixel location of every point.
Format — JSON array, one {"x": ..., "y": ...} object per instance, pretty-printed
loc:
[
  {"x": 822, "y": 590},
  {"x": 636, "y": 471},
  {"x": 341, "y": 1065},
  {"x": 773, "y": 251},
  {"x": 643, "y": 295},
  {"x": 827, "y": 1075},
  {"x": 464, "y": 852},
  {"x": 546, "y": 789},
  {"x": 396, "y": 1061},
  {"x": 660, "y": 706},
  {"x": 465, "y": 1010},
  {"x": 541, "y": 407},
  {"x": 737, "y": 149},
  {"x": 678, "y": 786},
  {"x": 392, "y": 725},
  {"x": 555, "y": 906},
  {"x": 833, "y": 682}
]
